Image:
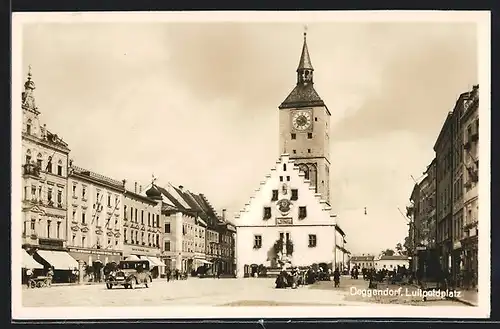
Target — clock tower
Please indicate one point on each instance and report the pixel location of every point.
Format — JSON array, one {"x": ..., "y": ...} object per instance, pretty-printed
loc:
[{"x": 304, "y": 121}]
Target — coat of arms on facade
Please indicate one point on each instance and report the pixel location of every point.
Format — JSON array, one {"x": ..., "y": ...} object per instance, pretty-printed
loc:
[{"x": 284, "y": 206}]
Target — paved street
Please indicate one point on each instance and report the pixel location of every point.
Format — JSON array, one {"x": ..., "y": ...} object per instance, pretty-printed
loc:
[{"x": 212, "y": 292}]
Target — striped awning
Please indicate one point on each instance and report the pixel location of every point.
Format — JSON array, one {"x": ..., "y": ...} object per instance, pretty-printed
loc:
[
  {"x": 29, "y": 262},
  {"x": 60, "y": 260},
  {"x": 156, "y": 261}
]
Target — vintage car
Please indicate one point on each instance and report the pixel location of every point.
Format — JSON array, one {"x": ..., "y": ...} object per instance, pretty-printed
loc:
[{"x": 129, "y": 274}]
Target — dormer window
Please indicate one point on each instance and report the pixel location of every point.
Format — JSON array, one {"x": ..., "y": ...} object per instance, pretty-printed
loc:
[
  {"x": 28, "y": 127},
  {"x": 284, "y": 167}
]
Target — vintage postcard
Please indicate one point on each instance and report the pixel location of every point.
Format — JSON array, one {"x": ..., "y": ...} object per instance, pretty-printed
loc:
[{"x": 250, "y": 164}]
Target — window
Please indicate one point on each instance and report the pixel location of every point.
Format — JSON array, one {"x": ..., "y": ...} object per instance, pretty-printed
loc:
[
  {"x": 142, "y": 217},
  {"x": 28, "y": 127},
  {"x": 308, "y": 150},
  {"x": 59, "y": 199},
  {"x": 83, "y": 241},
  {"x": 315, "y": 119},
  {"x": 149, "y": 219},
  {"x": 48, "y": 229},
  {"x": 84, "y": 191},
  {"x": 275, "y": 195},
  {"x": 294, "y": 151},
  {"x": 142, "y": 237},
  {"x": 136, "y": 237},
  {"x": 58, "y": 233},
  {"x": 109, "y": 200},
  {"x": 167, "y": 228},
  {"x": 125, "y": 234},
  {"x": 49, "y": 166},
  {"x": 39, "y": 163},
  {"x": 157, "y": 220},
  {"x": 33, "y": 224},
  {"x": 74, "y": 190},
  {"x": 302, "y": 212},
  {"x": 294, "y": 136},
  {"x": 167, "y": 245},
  {"x": 83, "y": 218},
  {"x": 267, "y": 212},
  {"x": 59, "y": 170},
  {"x": 257, "y": 244},
  {"x": 287, "y": 178},
  {"x": 309, "y": 135},
  {"x": 33, "y": 193},
  {"x": 284, "y": 167},
  {"x": 49, "y": 195},
  {"x": 281, "y": 178},
  {"x": 125, "y": 212},
  {"x": 157, "y": 240},
  {"x": 295, "y": 195}
]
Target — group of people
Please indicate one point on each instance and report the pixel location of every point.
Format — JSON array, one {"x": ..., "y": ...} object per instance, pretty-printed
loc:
[
  {"x": 175, "y": 275},
  {"x": 295, "y": 277},
  {"x": 46, "y": 279}
]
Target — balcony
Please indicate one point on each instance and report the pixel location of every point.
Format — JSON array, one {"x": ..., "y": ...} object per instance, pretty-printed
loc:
[{"x": 31, "y": 169}]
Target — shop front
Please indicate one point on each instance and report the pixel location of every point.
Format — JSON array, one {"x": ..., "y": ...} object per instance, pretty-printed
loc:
[
  {"x": 456, "y": 264},
  {"x": 62, "y": 264},
  {"x": 94, "y": 261},
  {"x": 470, "y": 260}
]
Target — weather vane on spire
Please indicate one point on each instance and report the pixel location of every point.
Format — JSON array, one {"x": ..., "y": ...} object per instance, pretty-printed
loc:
[
  {"x": 153, "y": 179},
  {"x": 29, "y": 71},
  {"x": 305, "y": 30}
]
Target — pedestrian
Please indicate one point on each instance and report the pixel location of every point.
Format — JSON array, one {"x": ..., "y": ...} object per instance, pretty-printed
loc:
[
  {"x": 336, "y": 277},
  {"x": 50, "y": 275},
  {"x": 168, "y": 275},
  {"x": 29, "y": 276}
]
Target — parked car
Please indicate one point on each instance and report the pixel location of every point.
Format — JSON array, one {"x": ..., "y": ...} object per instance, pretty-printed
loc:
[{"x": 129, "y": 274}]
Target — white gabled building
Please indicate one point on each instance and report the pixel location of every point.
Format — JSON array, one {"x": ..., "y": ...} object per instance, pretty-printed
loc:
[{"x": 286, "y": 208}]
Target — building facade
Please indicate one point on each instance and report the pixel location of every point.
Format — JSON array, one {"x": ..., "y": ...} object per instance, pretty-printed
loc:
[
  {"x": 44, "y": 180},
  {"x": 304, "y": 124},
  {"x": 362, "y": 261},
  {"x": 285, "y": 222},
  {"x": 95, "y": 217},
  {"x": 391, "y": 263},
  {"x": 141, "y": 229},
  {"x": 444, "y": 179},
  {"x": 470, "y": 122}
]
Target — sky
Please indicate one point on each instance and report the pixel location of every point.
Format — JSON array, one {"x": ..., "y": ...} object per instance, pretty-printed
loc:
[{"x": 196, "y": 104}]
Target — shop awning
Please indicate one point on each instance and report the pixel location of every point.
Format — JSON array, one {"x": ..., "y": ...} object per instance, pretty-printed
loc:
[
  {"x": 132, "y": 257},
  {"x": 29, "y": 262},
  {"x": 205, "y": 261},
  {"x": 156, "y": 261},
  {"x": 60, "y": 260}
]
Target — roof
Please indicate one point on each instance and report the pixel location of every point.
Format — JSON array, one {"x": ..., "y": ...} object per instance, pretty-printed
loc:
[
  {"x": 302, "y": 95},
  {"x": 79, "y": 172},
  {"x": 394, "y": 257},
  {"x": 305, "y": 59},
  {"x": 132, "y": 195},
  {"x": 362, "y": 258},
  {"x": 443, "y": 129}
]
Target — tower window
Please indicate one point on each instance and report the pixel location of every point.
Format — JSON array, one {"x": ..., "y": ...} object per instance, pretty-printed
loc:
[
  {"x": 295, "y": 194},
  {"x": 294, "y": 136},
  {"x": 294, "y": 151},
  {"x": 309, "y": 135},
  {"x": 308, "y": 150},
  {"x": 281, "y": 178},
  {"x": 284, "y": 167},
  {"x": 316, "y": 119},
  {"x": 287, "y": 178}
]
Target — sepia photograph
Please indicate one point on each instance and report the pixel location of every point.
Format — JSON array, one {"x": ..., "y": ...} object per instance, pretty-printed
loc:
[{"x": 244, "y": 164}]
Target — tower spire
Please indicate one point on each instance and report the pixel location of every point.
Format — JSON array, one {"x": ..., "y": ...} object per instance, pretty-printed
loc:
[
  {"x": 27, "y": 96},
  {"x": 305, "y": 68}
]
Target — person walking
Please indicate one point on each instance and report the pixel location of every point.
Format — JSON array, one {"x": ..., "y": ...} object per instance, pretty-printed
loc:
[
  {"x": 29, "y": 276},
  {"x": 168, "y": 275},
  {"x": 336, "y": 277}
]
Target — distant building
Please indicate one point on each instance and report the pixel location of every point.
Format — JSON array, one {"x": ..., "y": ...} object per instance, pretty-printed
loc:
[
  {"x": 95, "y": 217},
  {"x": 391, "y": 263},
  {"x": 363, "y": 261},
  {"x": 469, "y": 242}
]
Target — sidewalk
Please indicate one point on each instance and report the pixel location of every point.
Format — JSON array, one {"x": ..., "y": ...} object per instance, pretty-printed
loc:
[{"x": 468, "y": 297}]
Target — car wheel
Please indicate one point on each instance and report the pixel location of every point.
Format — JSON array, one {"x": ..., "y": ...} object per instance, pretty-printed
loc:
[
  {"x": 132, "y": 284},
  {"x": 148, "y": 282},
  {"x": 109, "y": 285}
]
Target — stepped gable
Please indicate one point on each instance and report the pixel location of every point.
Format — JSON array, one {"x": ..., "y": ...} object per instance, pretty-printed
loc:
[{"x": 293, "y": 170}]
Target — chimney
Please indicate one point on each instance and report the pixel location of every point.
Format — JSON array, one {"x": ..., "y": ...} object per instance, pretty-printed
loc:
[
  {"x": 224, "y": 214},
  {"x": 181, "y": 188},
  {"x": 140, "y": 189},
  {"x": 135, "y": 187}
]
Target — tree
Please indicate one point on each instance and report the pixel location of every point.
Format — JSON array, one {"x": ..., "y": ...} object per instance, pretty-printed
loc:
[
  {"x": 399, "y": 249},
  {"x": 388, "y": 252}
]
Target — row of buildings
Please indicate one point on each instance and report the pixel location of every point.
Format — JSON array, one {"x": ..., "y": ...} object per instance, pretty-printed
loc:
[
  {"x": 71, "y": 214},
  {"x": 443, "y": 234},
  {"x": 382, "y": 262}
]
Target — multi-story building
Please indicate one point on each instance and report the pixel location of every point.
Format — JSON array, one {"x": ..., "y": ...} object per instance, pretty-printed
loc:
[
  {"x": 44, "y": 187},
  {"x": 444, "y": 178},
  {"x": 95, "y": 217},
  {"x": 141, "y": 229},
  {"x": 470, "y": 122},
  {"x": 362, "y": 261},
  {"x": 457, "y": 187}
]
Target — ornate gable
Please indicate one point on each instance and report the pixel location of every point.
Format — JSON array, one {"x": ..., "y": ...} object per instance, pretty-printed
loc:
[{"x": 285, "y": 198}]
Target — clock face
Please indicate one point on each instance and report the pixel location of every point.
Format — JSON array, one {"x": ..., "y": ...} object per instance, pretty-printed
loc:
[{"x": 301, "y": 120}]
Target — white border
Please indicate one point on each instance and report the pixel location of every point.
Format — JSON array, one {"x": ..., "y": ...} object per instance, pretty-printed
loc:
[{"x": 482, "y": 18}]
